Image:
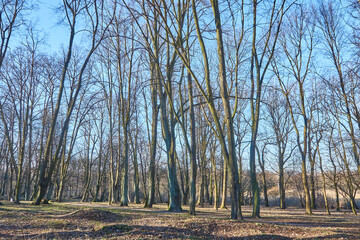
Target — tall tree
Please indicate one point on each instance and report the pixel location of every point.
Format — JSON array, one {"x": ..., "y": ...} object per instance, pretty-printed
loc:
[
  {"x": 298, "y": 51},
  {"x": 332, "y": 29},
  {"x": 261, "y": 57},
  {"x": 98, "y": 25}
]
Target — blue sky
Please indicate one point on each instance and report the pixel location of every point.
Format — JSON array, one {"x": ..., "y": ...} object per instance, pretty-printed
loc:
[{"x": 46, "y": 21}]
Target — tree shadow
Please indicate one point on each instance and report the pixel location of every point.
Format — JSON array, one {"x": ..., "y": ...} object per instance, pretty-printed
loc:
[
  {"x": 171, "y": 232},
  {"x": 334, "y": 236},
  {"x": 262, "y": 236},
  {"x": 153, "y": 232}
]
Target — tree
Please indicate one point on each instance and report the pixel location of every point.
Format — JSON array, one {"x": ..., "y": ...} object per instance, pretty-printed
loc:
[
  {"x": 261, "y": 57},
  {"x": 332, "y": 30},
  {"x": 298, "y": 51},
  {"x": 281, "y": 124},
  {"x": 11, "y": 11},
  {"x": 72, "y": 11}
]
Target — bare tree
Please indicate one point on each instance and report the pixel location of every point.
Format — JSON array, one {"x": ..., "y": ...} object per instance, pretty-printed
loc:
[
  {"x": 298, "y": 52},
  {"x": 331, "y": 27},
  {"x": 98, "y": 27},
  {"x": 261, "y": 57},
  {"x": 281, "y": 124}
]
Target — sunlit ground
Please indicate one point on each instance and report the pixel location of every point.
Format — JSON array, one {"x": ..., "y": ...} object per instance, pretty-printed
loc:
[{"x": 86, "y": 220}]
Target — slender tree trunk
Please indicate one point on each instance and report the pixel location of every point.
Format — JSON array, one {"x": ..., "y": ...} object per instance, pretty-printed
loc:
[
  {"x": 206, "y": 188},
  {"x": 200, "y": 201},
  {"x": 111, "y": 197},
  {"x": 87, "y": 169},
  {"x": 4, "y": 184},
  {"x": 306, "y": 186},
  {"x": 30, "y": 153},
  {"x": 10, "y": 191},
  {"x": 254, "y": 184},
  {"x": 348, "y": 174},
  {"x": 211, "y": 193},
  {"x": 281, "y": 183},
  {"x": 187, "y": 180},
  {"x": 100, "y": 157},
  {"x": 158, "y": 188},
  {"x": 154, "y": 122},
  {"x": 119, "y": 162},
  {"x": 216, "y": 189},
  {"x": 136, "y": 171},
  {"x": 337, "y": 197},
  {"x": 265, "y": 190},
  {"x": 125, "y": 169},
  {"x": 193, "y": 166},
  {"x": 63, "y": 166},
  {"x": 334, "y": 178},
  {"x": 312, "y": 184},
  {"x": 174, "y": 190},
  {"x": 182, "y": 180},
  {"x": 261, "y": 160},
  {"x": 224, "y": 187},
  {"x": 324, "y": 185}
]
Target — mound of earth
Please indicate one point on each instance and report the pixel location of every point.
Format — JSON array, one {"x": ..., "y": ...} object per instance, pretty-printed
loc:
[{"x": 93, "y": 214}]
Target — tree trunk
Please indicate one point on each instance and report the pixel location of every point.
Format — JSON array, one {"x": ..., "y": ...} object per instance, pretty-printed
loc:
[
  {"x": 230, "y": 152},
  {"x": 281, "y": 183},
  {"x": 200, "y": 201},
  {"x": 306, "y": 186},
  {"x": 182, "y": 180},
  {"x": 125, "y": 169},
  {"x": 224, "y": 187},
  {"x": 136, "y": 170},
  {"x": 152, "y": 173},
  {"x": 265, "y": 190},
  {"x": 312, "y": 184},
  {"x": 253, "y": 181},
  {"x": 206, "y": 188},
  {"x": 261, "y": 160},
  {"x": 30, "y": 153},
  {"x": 211, "y": 193},
  {"x": 324, "y": 185},
  {"x": 4, "y": 183},
  {"x": 63, "y": 166},
  {"x": 216, "y": 189},
  {"x": 193, "y": 166},
  {"x": 187, "y": 180}
]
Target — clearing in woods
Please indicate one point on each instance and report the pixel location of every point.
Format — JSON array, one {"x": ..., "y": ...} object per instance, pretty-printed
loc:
[{"x": 89, "y": 221}]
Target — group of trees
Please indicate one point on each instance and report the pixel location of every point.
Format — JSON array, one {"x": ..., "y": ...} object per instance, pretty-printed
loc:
[{"x": 156, "y": 100}]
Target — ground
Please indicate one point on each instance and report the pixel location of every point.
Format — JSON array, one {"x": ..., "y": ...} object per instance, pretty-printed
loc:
[{"x": 100, "y": 221}]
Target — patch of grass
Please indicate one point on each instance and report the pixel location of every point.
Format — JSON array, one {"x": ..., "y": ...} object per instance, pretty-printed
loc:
[
  {"x": 57, "y": 224},
  {"x": 113, "y": 228},
  {"x": 4, "y": 209}
]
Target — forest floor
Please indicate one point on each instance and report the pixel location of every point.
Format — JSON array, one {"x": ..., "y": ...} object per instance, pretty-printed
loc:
[{"x": 73, "y": 220}]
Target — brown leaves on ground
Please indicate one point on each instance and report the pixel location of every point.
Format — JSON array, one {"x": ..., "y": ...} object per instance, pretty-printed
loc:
[
  {"x": 100, "y": 221},
  {"x": 92, "y": 215}
]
